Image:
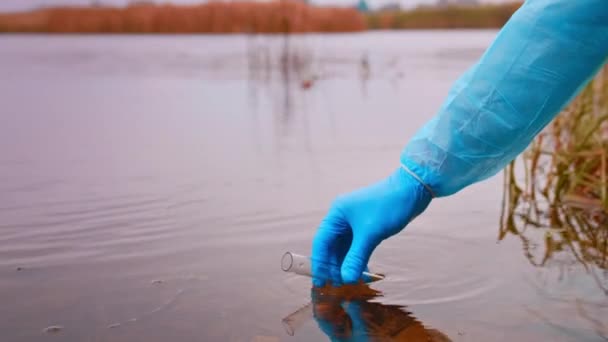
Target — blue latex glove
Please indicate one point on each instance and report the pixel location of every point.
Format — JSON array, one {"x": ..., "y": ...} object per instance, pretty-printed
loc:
[
  {"x": 545, "y": 54},
  {"x": 358, "y": 222}
]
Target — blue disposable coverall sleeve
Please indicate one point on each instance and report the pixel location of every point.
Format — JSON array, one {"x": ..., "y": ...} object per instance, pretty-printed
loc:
[{"x": 544, "y": 55}]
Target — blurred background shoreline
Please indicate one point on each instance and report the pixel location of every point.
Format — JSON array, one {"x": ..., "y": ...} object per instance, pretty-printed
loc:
[{"x": 252, "y": 17}]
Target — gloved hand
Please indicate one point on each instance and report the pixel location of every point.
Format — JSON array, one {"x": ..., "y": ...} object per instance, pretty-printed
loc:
[{"x": 359, "y": 221}]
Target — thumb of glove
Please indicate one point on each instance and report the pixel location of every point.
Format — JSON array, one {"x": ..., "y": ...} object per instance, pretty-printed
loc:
[{"x": 357, "y": 257}]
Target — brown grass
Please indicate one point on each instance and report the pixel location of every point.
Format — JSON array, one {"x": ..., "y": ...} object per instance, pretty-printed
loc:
[
  {"x": 452, "y": 17},
  {"x": 564, "y": 190},
  {"x": 213, "y": 17},
  {"x": 238, "y": 17}
]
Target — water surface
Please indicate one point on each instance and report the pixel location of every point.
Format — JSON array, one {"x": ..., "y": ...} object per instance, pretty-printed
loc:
[{"x": 150, "y": 184}]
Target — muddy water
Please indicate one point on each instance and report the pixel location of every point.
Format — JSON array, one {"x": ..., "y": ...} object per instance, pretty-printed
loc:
[{"x": 149, "y": 186}]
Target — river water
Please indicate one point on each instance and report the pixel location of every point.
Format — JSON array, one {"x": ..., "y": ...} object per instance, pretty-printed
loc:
[{"x": 150, "y": 184}]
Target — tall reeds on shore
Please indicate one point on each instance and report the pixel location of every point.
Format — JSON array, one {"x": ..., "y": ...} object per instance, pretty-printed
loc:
[
  {"x": 559, "y": 187},
  {"x": 450, "y": 17},
  {"x": 212, "y": 17},
  {"x": 281, "y": 16}
]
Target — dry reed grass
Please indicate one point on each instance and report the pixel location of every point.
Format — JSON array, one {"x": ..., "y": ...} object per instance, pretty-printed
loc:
[
  {"x": 564, "y": 191},
  {"x": 212, "y": 17},
  {"x": 452, "y": 17},
  {"x": 243, "y": 16}
]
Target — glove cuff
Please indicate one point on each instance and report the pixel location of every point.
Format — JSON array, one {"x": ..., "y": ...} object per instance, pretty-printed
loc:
[{"x": 426, "y": 186}]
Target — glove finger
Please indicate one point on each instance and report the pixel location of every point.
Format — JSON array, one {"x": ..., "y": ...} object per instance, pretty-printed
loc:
[
  {"x": 357, "y": 258},
  {"x": 329, "y": 248}
]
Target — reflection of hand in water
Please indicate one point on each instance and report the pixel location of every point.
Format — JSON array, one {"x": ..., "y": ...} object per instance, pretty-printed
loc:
[{"x": 347, "y": 314}]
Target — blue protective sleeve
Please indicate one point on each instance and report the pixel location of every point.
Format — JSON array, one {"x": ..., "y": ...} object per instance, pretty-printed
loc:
[{"x": 538, "y": 62}]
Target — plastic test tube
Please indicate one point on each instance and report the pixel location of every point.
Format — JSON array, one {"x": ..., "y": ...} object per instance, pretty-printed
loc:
[{"x": 300, "y": 264}]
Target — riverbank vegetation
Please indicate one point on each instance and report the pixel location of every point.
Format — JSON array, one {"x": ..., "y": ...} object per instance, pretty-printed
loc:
[
  {"x": 450, "y": 17},
  {"x": 213, "y": 17},
  {"x": 559, "y": 187},
  {"x": 247, "y": 17}
]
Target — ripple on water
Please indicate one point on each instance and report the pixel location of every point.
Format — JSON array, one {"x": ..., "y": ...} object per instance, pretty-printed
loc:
[
  {"x": 263, "y": 229},
  {"x": 71, "y": 231},
  {"x": 420, "y": 269}
]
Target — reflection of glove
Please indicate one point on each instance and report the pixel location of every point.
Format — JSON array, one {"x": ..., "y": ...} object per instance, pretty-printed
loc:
[
  {"x": 339, "y": 315},
  {"x": 333, "y": 320},
  {"x": 357, "y": 222},
  {"x": 342, "y": 321},
  {"x": 347, "y": 313}
]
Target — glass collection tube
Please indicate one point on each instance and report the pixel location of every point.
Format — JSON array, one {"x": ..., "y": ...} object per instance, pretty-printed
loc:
[{"x": 300, "y": 264}]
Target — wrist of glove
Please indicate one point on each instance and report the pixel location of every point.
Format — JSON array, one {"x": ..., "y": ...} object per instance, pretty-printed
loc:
[{"x": 359, "y": 221}]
